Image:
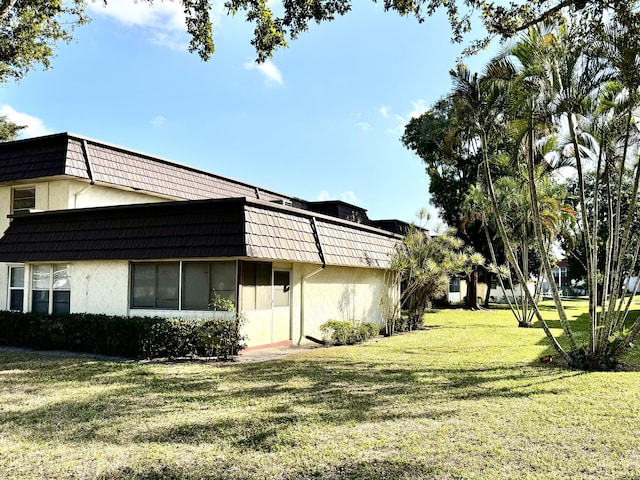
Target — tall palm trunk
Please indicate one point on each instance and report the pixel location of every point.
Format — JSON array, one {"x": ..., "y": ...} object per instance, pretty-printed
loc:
[
  {"x": 509, "y": 250},
  {"x": 544, "y": 253}
]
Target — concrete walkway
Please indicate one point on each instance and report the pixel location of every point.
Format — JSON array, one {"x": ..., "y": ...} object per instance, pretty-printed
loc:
[{"x": 264, "y": 354}]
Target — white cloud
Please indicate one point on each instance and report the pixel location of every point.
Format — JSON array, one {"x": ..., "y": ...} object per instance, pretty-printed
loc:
[
  {"x": 348, "y": 197},
  {"x": 160, "y": 15},
  {"x": 323, "y": 196},
  {"x": 419, "y": 108},
  {"x": 270, "y": 72},
  {"x": 158, "y": 121},
  {"x": 35, "y": 127},
  {"x": 163, "y": 22},
  {"x": 434, "y": 222},
  {"x": 363, "y": 126}
]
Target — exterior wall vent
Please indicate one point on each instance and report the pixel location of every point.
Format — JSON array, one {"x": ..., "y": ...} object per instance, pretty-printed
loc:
[{"x": 282, "y": 201}]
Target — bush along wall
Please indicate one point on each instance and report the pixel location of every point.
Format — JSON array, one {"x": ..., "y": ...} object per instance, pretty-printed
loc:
[
  {"x": 132, "y": 337},
  {"x": 339, "y": 332}
]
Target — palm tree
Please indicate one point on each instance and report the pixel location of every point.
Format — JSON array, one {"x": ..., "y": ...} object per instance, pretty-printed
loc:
[
  {"x": 564, "y": 85},
  {"x": 479, "y": 102}
]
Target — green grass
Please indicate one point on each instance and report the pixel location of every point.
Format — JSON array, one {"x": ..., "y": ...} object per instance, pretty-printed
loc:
[{"x": 465, "y": 399}]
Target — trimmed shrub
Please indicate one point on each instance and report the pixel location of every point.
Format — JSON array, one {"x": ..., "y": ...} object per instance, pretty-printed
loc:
[
  {"x": 220, "y": 337},
  {"x": 346, "y": 333},
  {"x": 131, "y": 337}
]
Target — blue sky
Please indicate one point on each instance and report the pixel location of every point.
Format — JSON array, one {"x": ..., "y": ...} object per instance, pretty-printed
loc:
[{"x": 322, "y": 120}]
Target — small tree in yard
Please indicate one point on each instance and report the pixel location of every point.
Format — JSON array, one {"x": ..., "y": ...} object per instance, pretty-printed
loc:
[{"x": 423, "y": 264}]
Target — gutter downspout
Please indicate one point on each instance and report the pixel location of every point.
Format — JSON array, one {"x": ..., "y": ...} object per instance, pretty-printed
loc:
[
  {"x": 302, "y": 283},
  {"x": 87, "y": 161},
  {"x": 304, "y": 278}
]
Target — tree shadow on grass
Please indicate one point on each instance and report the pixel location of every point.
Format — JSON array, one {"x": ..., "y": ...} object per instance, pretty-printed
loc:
[
  {"x": 286, "y": 394},
  {"x": 375, "y": 469}
]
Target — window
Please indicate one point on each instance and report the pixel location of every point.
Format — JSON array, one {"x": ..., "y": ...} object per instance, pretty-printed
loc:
[
  {"x": 454, "y": 285},
  {"x": 16, "y": 288},
  {"x": 256, "y": 286},
  {"x": 24, "y": 199},
  {"x": 51, "y": 289},
  {"x": 155, "y": 285},
  {"x": 202, "y": 281},
  {"x": 181, "y": 285},
  {"x": 281, "y": 288}
]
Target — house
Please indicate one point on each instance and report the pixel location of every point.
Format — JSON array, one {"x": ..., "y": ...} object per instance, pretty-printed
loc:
[{"x": 91, "y": 227}]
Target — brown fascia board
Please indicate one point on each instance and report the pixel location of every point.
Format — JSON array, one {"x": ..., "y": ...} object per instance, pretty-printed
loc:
[
  {"x": 111, "y": 220},
  {"x": 36, "y": 250},
  {"x": 131, "y": 206}
]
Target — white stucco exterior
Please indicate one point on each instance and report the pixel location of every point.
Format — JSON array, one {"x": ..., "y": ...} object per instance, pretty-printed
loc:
[
  {"x": 64, "y": 194},
  {"x": 332, "y": 293}
]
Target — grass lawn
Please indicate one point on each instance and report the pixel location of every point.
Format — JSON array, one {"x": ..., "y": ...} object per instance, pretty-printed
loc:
[{"x": 466, "y": 399}]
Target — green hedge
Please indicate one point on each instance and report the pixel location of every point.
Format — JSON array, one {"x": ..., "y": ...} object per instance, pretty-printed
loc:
[
  {"x": 133, "y": 337},
  {"x": 347, "y": 333}
]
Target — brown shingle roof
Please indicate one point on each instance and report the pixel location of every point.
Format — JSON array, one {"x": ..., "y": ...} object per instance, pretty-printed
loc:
[
  {"x": 148, "y": 231},
  {"x": 240, "y": 227},
  {"x": 68, "y": 154},
  {"x": 28, "y": 159}
]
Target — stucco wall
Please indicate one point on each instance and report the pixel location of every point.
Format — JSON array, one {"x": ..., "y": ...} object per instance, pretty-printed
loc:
[
  {"x": 334, "y": 293},
  {"x": 83, "y": 195},
  {"x": 100, "y": 287},
  {"x": 339, "y": 293},
  {"x": 65, "y": 194}
]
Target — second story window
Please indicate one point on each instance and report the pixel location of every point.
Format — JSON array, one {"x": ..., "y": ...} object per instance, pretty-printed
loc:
[{"x": 24, "y": 199}]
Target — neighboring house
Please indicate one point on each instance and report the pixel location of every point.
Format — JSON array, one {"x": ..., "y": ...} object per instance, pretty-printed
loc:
[
  {"x": 566, "y": 285},
  {"x": 96, "y": 228}
]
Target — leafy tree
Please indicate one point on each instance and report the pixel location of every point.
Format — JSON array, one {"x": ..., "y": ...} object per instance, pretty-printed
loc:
[
  {"x": 481, "y": 106},
  {"x": 9, "y": 131},
  {"x": 573, "y": 242},
  {"x": 29, "y": 29},
  {"x": 453, "y": 168},
  {"x": 499, "y": 19},
  {"x": 423, "y": 265},
  {"x": 577, "y": 94}
]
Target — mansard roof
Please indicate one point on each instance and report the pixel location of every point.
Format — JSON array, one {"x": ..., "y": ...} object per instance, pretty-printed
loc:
[
  {"x": 222, "y": 228},
  {"x": 67, "y": 154}
]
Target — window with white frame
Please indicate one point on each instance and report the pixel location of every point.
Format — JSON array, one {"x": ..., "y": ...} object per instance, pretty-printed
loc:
[
  {"x": 24, "y": 200},
  {"x": 264, "y": 287},
  {"x": 454, "y": 285},
  {"x": 181, "y": 285},
  {"x": 51, "y": 289},
  {"x": 16, "y": 288}
]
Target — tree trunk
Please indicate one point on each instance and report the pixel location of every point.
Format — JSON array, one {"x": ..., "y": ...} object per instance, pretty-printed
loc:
[
  {"x": 472, "y": 290},
  {"x": 487, "y": 296}
]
